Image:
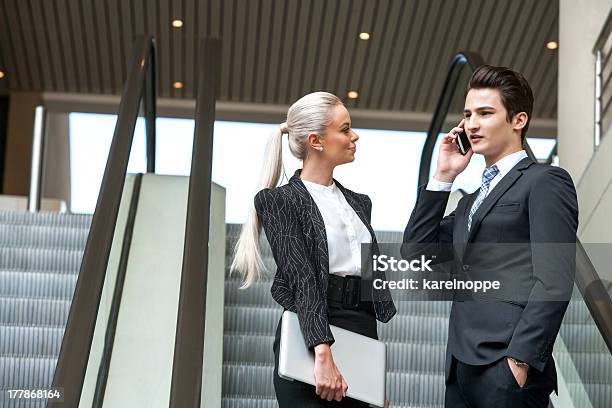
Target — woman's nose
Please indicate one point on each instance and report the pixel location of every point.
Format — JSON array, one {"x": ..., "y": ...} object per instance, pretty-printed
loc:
[{"x": 355, "y": 137}]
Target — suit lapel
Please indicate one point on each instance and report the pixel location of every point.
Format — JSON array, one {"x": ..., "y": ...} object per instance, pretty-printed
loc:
[
  {"x": 506, "y": 182},
  {"x": 461, "y": 232}
]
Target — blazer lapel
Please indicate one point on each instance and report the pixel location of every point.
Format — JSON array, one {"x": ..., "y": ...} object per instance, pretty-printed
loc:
[
  {"x": 320, "y": 234},
  {"x": 506, "y": 182}
]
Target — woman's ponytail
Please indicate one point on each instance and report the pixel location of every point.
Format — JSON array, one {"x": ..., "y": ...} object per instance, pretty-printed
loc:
[{"x": 247, "y": 253}]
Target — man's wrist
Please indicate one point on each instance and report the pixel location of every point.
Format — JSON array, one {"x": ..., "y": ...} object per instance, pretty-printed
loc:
[
  {"x": 445, "y": 177},
  {"x": 519, "y": 363}
]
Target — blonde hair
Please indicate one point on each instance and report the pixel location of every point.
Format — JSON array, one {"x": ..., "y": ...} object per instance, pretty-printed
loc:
[{"x": 311, "y": 113}]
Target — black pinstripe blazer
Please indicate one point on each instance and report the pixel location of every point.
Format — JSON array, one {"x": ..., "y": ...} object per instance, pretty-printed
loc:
[{"x": 296, "y": 233}]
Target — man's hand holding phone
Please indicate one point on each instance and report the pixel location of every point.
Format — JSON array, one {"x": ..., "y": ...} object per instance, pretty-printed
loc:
[{"x": 451, "y": 162}]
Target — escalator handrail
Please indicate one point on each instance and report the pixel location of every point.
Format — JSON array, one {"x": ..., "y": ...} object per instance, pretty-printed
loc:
[
  {"x": 589, "y": 283},
  {"x": 460, "y": 60},
  {"x": 76, "y": 344},
  {"x": 187, "y": 366}
]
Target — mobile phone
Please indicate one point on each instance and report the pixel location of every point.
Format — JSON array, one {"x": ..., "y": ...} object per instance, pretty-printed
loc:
[{"x": 463, "y": 142}]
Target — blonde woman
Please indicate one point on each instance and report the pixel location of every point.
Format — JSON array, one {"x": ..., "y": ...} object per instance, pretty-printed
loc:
[{"x": 315, "y": 228}]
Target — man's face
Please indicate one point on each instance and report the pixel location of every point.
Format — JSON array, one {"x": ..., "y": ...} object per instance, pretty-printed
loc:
[{"x": 487, "y": 126}]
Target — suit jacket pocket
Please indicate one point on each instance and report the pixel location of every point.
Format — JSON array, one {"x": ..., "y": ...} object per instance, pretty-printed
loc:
[{"x": 507, "y": 207}]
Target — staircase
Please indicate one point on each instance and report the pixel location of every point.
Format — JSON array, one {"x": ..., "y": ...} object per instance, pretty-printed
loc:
[
  {"x": 40, "y": 256},
  {"x": 416, "y": 340}
]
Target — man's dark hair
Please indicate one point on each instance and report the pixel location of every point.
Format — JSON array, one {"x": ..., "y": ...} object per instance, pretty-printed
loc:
[{"x": 516, "y": 94}]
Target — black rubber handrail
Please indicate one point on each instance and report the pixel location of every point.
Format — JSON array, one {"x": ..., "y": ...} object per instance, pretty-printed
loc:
[
  {"x": 76, "y": 344},
  {"x": 186, "y": 387},
  {"x": 465, "y": 58},
  {"x": 593, "y": 291}
]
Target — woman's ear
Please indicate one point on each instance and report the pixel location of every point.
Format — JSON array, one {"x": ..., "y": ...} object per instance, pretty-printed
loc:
[{"x": 314, "y": 142}]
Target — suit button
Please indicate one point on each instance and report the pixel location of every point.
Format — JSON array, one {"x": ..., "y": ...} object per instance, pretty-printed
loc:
[{"x": 466, "y": 267}]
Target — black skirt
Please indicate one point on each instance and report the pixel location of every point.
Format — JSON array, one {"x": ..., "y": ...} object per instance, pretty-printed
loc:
[{"x": 290, "y": 394}]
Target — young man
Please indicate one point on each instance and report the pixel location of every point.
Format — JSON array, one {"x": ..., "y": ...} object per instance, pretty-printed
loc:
[{"x": 518, "y": 226}]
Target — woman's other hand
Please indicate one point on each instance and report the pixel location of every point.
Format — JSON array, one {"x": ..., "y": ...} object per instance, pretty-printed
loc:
[{"x": 329, "y": 383}]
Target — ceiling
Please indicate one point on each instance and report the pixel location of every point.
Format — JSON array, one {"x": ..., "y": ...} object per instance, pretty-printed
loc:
[{"x": 274, "y": 51}]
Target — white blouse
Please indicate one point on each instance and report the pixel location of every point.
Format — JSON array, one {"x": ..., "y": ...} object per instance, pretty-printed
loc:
[{"x": 345, "y": 230}]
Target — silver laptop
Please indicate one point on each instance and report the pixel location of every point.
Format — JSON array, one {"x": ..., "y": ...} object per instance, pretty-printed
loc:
[{"x": 362, "y": 361}]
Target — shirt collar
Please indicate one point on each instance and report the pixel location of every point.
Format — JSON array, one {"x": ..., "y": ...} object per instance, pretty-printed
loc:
[
  {"x": 319, "y": 187},
  {"x": 506, "y": 164}
]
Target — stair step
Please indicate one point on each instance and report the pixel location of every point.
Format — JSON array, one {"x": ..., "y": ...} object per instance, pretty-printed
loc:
[
  {"x": 255, "y": 320},
  {"x": 248, "y": 380},
  {"x": 27, "y": 372},
  {"x": 33, "y": 311},
  {"x": 30, "y": 341},
  {"x": 45, "y": 218},
  {"x": 37, "y": 284},
  {"x": 248, "y": 402},
  {"x": 42, "y": 259},
  {"x": 583, "y": 338},
  {"x": 593, "y": 367},
  {"x": 43, "y": 236}
]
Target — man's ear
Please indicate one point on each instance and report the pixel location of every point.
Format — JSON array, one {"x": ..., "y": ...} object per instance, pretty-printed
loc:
[{"x": 519, "y": 121}]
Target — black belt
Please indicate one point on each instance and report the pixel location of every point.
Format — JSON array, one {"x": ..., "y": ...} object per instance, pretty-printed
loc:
[{"x": 346, "y": 290}]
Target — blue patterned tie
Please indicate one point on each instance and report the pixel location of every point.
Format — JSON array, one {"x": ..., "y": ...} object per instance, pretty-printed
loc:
[{"x": 487, "y": 176}]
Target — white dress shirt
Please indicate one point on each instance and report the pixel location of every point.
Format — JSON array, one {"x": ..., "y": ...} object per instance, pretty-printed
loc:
[
  {"x": 345, "y": 230},
  {"x": 504, "y": 165}
]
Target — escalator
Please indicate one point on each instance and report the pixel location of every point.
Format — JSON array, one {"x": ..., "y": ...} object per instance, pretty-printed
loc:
[{"x": 81, "y": 295}]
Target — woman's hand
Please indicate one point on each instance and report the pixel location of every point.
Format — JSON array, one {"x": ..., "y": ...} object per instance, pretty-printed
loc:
[
  {"x": 450, "y": 160},
  {"x": 328, "y": 380}
]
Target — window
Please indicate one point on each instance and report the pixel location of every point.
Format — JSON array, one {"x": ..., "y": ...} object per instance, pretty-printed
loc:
[{"x": 386, "y": 165}]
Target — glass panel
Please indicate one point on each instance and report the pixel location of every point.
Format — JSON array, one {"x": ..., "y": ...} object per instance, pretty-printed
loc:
[
  {"x": 237, "y": 159},
  {"x": 541, "y": 147},
  {"x": 90, "y": 139},
  {"x": 584, "y": 360}
]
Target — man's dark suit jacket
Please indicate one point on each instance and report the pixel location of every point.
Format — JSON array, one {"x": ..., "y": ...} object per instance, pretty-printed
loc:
[
  {"x": 533, "y": 207},
  {"x": 296, "y": 233}
]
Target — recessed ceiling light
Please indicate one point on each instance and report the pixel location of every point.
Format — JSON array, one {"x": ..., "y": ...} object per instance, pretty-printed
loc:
[
  {"x": 353, "y": 94},
  {"x": 364, "y": 36},
  {"x": 177, "y": 23},
  {"x": 178, "y": 84},
  {"x": 552, "y": 45},
  {"x": 1, "y": 74}
]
